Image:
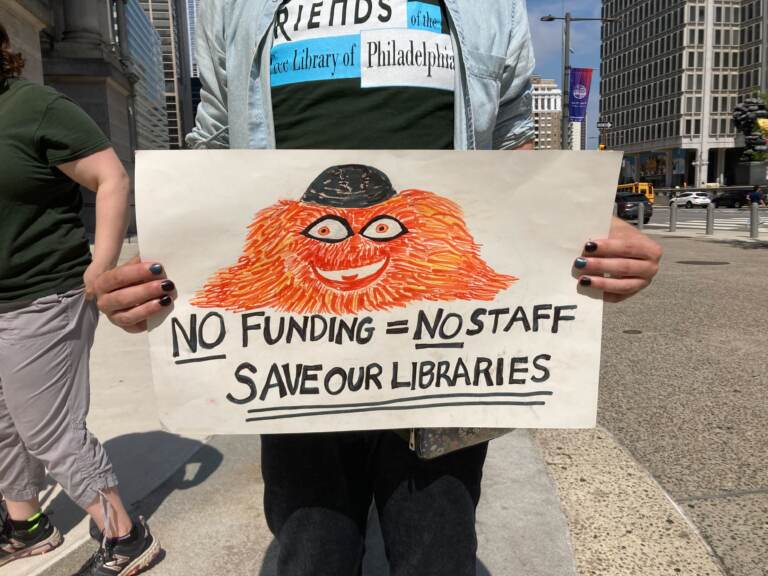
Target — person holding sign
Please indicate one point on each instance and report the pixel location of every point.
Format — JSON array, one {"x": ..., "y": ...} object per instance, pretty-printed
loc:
[
  {"x": 48, "y": 317},
  {"x": 389, "y": 74}
]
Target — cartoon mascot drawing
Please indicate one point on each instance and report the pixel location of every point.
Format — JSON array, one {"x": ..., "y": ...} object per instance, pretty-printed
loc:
[{"x": 353, "y": 244}]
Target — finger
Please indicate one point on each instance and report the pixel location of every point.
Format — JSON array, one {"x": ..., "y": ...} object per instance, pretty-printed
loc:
[
  {"x": 129, "y": 274},
  {"x": 135, "y": 319},
  {"x": 638, "y": 247},
  {"x": 133, "y": 296},
  {"x": 626, "y": 286},
  {"x": 617, "y": 267}
]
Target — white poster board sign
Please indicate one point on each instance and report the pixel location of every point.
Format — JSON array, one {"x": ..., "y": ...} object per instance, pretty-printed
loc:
[{"x": 348, "y": 290}]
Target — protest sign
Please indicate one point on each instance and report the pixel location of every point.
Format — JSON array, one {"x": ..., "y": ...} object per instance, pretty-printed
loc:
[{"x": 347, "y": 290}]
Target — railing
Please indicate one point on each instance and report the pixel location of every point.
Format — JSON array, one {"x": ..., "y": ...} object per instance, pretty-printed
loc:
[{"x": 755, "y": 212}]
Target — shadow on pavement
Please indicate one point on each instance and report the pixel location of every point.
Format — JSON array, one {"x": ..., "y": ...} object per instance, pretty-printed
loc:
[
  {"x": 142, "y": 463},
  {"x": 375, "y": 560}
]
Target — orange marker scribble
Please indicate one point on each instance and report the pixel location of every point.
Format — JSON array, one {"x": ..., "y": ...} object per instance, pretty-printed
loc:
[{"x": 308, "y": 258}]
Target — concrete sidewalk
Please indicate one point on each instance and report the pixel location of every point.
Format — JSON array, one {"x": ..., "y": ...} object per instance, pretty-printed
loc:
[{"x": 555, "y": 503}]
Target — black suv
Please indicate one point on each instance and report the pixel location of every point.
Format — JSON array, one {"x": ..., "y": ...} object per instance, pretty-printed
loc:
[
  {"x": 731, "y": 199},
  {"x": 626, "y": 206}
]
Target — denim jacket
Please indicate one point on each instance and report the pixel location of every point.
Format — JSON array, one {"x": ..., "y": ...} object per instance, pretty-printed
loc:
[{"x": 492, "y": 93}]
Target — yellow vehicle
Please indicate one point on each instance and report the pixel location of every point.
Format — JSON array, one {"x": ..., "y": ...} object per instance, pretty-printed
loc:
[{"x": 644, "y": 188}]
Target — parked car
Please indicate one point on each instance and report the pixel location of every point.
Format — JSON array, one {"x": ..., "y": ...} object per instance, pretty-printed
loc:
[
  {"x": 626, "y": 207},
  {"x": 691, "y": 199},
  {"x": 731, "y": 199}
]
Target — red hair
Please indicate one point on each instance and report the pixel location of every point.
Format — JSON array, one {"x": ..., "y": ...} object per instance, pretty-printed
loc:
[{"x": 437, "y": 260}]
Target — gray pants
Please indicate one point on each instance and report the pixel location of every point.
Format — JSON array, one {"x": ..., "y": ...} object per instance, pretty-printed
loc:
[{"x": 44, "y": 397}]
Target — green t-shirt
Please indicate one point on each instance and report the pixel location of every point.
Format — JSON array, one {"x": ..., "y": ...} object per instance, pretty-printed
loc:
[{"x": 43, "y": 248}]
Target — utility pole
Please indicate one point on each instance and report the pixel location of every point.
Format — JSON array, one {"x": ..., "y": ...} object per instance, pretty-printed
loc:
[
  {"x": 566, "y": 118},
  {"x": 568, "y": 18}
]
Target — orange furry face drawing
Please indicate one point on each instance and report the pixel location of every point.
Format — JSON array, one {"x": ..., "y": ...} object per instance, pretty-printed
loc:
[{"x": 353, "y": 244}]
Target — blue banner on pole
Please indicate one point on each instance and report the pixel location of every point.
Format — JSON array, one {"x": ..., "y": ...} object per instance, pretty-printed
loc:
[{"x": 581, "y": 81}]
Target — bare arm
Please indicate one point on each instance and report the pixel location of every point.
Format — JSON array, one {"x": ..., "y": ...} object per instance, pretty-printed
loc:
[{"x": 103, "y": 173}]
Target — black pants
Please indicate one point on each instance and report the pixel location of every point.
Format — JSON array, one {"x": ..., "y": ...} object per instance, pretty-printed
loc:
[{"x": 319, "y": 488}]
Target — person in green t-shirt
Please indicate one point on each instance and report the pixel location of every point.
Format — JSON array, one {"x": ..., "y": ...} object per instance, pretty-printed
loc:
[{"x": 48, "y": 316}]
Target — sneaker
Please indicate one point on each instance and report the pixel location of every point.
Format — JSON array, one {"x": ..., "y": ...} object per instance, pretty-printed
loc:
[
  {"x": 20, "y": 543},
  {"x": 127, "y": 556}
]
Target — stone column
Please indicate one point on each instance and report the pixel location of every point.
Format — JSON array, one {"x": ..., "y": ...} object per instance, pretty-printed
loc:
[
  {"x": 702, "y": 165},
  {"x": 721, "y": 165},
  {"x": 81, "y": 22},
  {"x": 670, "y": 167}
]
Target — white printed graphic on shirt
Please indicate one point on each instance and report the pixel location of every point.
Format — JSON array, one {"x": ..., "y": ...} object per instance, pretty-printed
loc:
[
  {"x": 305, "y": 19},
  {"x": 382, "y": 42},
  {"x": 407, "y": 58}
]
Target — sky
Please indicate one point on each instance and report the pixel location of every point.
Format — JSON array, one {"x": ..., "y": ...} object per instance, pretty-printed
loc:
[{"x": 585, "y": 46}]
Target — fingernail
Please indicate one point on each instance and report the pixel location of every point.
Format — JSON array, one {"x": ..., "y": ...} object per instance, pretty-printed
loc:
[
  {"x": 580, "y": 263},
  {"x": 590, "y": 247},
  {"x": 167, "y": 286},
  {"x": 156, "y": 269},
  {"x": 165, "y": 301},
  {"x": 584, "y": 281}
]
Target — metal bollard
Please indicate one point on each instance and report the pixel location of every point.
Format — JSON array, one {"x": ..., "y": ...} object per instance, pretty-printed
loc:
[
  {"x": 640, "y": 215},
  {"x": 710, "y": 219},
  {"x": 754, "y": 221},
  {"x": 673, "y": 217}
]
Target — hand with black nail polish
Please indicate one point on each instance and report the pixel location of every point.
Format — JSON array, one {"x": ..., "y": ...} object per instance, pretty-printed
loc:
[
  {"x": 130, "y": 294},
  {"x": 621, "y": 265}
]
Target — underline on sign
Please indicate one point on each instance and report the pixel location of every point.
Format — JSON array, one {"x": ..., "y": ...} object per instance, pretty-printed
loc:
[
  {"x": 202, "y": 359},
  {"x": 390, "y": 408},
  {"x": 440, "y": 345},
  {"x": 402, "y": 400}
]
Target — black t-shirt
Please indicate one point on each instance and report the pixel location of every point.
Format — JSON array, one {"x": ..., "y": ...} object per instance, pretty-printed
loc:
[
  {"x": 362, "y": 74},
  {"x": 43, "y": 248}
]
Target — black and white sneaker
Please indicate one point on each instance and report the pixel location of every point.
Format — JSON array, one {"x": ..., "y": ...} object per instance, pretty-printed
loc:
[
  {"x": 40, "y": 537},
  {"x": 125, "y": 556}
]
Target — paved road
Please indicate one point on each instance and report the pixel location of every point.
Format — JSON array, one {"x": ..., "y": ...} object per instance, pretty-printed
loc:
[
  {"x": 684, "y": 386},
  {"x": 729, "y": 219}
]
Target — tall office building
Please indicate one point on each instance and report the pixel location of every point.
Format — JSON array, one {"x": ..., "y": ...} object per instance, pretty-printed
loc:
[
  {"x": 192, "y": 27},
  {"x": 547, "y": 114},
  {"x": 192, "y": 35},
  {"x": 143, "y": 47},
  {"x": 672, "y": 72},
  {"x": 578, "y": 135},
  {"x": 169, "y": 17}
]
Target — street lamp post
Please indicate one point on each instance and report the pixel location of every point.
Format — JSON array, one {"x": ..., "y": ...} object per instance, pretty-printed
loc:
[{"x": 565, "y": 142}]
